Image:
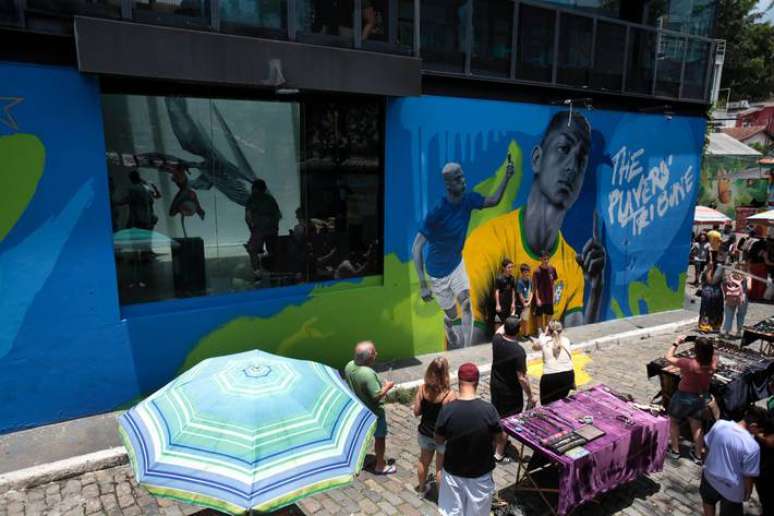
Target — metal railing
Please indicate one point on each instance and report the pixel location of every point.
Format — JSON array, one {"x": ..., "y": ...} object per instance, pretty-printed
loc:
[{"x": 519, "y": 41}]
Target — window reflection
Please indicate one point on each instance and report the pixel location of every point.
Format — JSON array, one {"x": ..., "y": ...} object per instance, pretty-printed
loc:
[
  {"x": 575, "y": 50},
  {"x": 670, "y": 63},
  {"x": 492, "y": 37},
  {"x": 609, "y": 56},
  {"x": 214, "y": 196},
  {"x": 444, "y": 34},
  {"x": 261, "y": 16},
  {"x": 695, "y": 79},
  {"x": 535, "y": 49},
  {"x": 97, "y": 7},
  {"x": 642, "y": 50},
  {"x": 8, "y": 11},
  {"x": 172, "y": 12}
]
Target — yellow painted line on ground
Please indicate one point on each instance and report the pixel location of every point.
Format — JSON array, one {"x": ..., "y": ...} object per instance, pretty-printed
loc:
[{"x": 579, "y": 361}]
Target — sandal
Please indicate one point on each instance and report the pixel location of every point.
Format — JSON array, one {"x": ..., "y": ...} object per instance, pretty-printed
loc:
[
  {"x": 503, "y": 460},
  {"x": 388, "y": 470}
]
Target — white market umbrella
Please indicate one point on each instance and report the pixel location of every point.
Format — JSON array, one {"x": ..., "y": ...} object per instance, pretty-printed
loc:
[
  {"x": 705, "y": 215},
  {"x": 766, "y": 217}
]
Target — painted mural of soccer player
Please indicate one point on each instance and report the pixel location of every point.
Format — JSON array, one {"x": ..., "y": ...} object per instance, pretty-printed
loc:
[
  {"x": 559, "y": 164},
  {"x": 443, "y": 230}
]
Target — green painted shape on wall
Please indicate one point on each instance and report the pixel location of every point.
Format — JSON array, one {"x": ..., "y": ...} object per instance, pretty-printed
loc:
[
  {"x": 656, "y": 293},
  {"x": 615, "y": 306},
  {"x": 488, "y": 187},
  {"x": 23, "y": 158},
  {"x": 326, "y": 327},
  {"x": 386, "y": 309}
]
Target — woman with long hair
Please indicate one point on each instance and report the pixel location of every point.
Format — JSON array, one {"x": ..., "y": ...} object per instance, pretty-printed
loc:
[
  {"x": 430, "y": 397},
  {"x": 692, "y": 394},
  {"x": 711, "y": 308},
  {"x": 558, "y": 374}
]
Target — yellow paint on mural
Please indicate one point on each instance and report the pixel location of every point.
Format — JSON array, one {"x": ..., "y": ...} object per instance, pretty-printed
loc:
[{"x": 579, "y": 362}]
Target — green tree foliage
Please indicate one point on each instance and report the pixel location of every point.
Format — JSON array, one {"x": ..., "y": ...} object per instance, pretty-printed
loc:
[{"x": 749, "y": 64}]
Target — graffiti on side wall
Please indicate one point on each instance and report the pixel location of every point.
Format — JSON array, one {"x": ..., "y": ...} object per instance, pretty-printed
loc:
[{"x": 729, "y": 182}]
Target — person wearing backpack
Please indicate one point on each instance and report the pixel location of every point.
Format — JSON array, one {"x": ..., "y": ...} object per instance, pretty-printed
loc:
[{"x": 736, "y": 285}]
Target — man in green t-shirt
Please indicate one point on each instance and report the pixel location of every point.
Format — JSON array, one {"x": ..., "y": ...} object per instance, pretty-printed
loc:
[{"x": 366, "y": 385}]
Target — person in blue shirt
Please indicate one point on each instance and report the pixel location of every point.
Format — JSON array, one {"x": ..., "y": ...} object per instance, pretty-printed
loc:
[{"x": 444, "y": 230}]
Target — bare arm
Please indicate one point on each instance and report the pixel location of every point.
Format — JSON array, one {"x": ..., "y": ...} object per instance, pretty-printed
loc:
[
  {"x": 369, "y": 16},
  {"x": 748, "y": 487},
  {"x": 418, "y": 402},
  {"x": 670, "y": 355},
  {"x": 385, "y": 389},
  {"x": 526, "y": 387},
  {"x": 495, "y": 198},
  {"x": 419, "y": 263}
]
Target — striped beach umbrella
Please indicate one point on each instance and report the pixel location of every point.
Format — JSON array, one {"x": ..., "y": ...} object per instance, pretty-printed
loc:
[
  {"x": 705, "y": 215},
  {"x": 251, "y": 431}
]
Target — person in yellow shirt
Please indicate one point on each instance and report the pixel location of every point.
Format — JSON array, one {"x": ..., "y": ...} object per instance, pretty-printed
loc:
[
  {"x": 559, "y": 165},
  {"x": 714, "y": 238}
]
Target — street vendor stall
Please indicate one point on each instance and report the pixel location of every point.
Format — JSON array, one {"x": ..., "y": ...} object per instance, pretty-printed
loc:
[
  {"x": 763, "y": 331},
  {"x": 740, "y": 379},
  {"x": 596, "y": 440}
]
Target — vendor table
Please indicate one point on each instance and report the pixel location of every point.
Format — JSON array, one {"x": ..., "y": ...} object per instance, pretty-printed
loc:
[
  {"x": 763, "y": 331},
  {"x": 741, "y": 377},
  {"x": 634, "y": 443}
]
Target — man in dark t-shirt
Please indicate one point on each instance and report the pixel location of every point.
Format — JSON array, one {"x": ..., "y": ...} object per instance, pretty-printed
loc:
[
  {"x": 543, "y": 282},
  {"x": 470, "y": 427},
  {"x": 505, "y": 291}
]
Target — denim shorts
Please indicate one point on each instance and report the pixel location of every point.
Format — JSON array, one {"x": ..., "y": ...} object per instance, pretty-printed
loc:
[
  {"x": 687, "y": 405},
  {"x": 428, "y": 443},
  {"x": 381, "y": 426}
]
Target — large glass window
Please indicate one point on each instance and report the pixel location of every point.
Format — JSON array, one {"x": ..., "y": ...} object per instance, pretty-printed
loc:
[
  {"x": 535, "y": 48},
  {"x": 642, "y": 51},
  {"x": 609, "y": 52},
  {"x": 492, "y": 37},
  {"x": 185, "y": 13},
  {"x": 695, "y": 79},
  {"x": 444, "y": 25},
  {"x": 260, "y": 17},
  {"x": 111, "y": 8},
  {"x": 575, "y": 35},
  {"x": 211, "y": 196},
  {"x": 669, "y": 65},
  {"x": 8, "y": 12}
]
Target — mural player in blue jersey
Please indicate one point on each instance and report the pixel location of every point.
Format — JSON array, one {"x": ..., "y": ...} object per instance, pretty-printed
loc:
[{"x": 443, "y": 230}]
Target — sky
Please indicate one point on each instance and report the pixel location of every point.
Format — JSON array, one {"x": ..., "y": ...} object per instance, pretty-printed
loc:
[{"x": 762, "y": 4}]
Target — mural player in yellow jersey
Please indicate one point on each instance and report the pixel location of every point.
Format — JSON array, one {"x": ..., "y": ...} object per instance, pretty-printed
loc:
[{"x": 559, "y": 164}]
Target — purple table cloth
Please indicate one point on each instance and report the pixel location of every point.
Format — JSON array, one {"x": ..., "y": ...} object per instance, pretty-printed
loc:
[{"x": 625, "y": 452}]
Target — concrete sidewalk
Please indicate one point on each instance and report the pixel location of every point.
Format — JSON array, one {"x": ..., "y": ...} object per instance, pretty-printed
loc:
[
  {"x": 74, "y": 441},
  {"x": 616, "y": 359}
]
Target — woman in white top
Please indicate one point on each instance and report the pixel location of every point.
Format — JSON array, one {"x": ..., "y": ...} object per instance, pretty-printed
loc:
[{"x": 558, "y": 374}]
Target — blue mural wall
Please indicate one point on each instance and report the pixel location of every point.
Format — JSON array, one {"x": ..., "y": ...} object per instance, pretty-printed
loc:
[
  {"x": 63, "y": 350},
  {"x": 69, "y": 349}
]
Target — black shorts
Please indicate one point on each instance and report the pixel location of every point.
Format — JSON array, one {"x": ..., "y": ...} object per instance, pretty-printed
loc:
[
  {"x": 545, "y": 309},
  {"x": 710, "y": 496}
]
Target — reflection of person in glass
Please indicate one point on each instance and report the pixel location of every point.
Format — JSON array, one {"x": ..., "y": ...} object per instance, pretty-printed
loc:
[
  {"x": 444, "y": 230},
  {"x": 262, "y": 216},
  {"x": 140, "y": 197},
  {"x": 559, "y": 164}
]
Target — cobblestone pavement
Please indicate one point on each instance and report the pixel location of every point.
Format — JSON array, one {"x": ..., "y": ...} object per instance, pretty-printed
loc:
[{"x": 622, "y": 366}]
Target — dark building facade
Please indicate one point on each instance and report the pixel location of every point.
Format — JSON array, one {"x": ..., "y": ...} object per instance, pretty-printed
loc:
[{"x": 189, "y": 178}]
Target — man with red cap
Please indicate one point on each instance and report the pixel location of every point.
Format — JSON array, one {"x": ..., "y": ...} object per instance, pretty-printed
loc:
[{"x": 470, "y": 427}]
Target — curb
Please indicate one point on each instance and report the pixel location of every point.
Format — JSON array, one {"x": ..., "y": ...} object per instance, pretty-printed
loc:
[
  {"x": 59, "y": 470},
  {"x": 112, "y": 457}
]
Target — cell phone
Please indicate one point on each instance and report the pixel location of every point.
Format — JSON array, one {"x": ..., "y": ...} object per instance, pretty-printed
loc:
[{"x": 690, "y": 338}]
